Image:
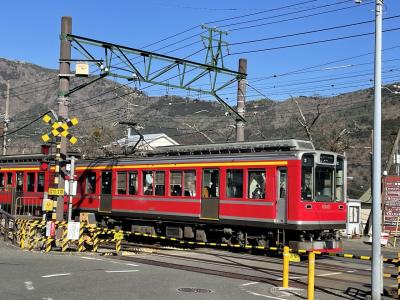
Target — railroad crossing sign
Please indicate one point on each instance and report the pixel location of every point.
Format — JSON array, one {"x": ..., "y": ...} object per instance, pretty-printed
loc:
[{"x": 60, "y": 128}]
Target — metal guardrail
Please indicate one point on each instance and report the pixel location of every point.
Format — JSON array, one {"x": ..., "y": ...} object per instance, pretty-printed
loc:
[{"x": 7, "y": 226}]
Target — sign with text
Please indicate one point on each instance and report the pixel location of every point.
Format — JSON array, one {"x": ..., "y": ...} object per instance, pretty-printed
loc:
[
  {"x": 73, "y": 231},
  {"x": 391, "y": 201},
  {"x": 56, "y": 192}
]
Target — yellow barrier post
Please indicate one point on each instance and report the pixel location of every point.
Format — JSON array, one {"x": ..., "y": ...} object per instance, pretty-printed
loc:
[
  {"x": 285, "y": 277},
  {"x": 64, "y": 241},
  {"x": 81, "y": 240},
  {"x": 311, "y": 275},
  {"x": 96, "y": 240}
]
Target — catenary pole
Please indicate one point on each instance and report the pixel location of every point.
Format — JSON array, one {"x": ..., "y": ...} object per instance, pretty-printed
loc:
[
  {"x": 63, "y": 102},
  {"x": 241, "y": 98},
  {"x": 376, "y": 176},
  {"x": 6, "y": 119}
]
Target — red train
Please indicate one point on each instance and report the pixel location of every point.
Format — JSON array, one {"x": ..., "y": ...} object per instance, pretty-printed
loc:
[{"x": 259, "y": 193}]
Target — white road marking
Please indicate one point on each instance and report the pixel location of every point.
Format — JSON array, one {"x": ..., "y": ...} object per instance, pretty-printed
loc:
[
  {"x": 350, "y": 271},
  {"x": 329, "y": 274},
  {"x": 29, "y": 285},
  {"x": 265, "y": 296},
  {"x": 122, "y": 271},
  {"x": 249, "y": 283},
  {"x": 47, "y": 298},
  {"x": 306, "y": 276},
  {"x": 131, "y": 265},
  {"x": 55, "y": 275},
  {"x": 90, "y": 258}
]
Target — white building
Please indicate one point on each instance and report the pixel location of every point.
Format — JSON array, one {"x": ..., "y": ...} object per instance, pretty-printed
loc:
[{"x": 149, "y": 142}]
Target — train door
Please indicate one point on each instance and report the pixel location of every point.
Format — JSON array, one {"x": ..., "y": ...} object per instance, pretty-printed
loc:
[
  {"x": 210, "y": 194},
  {"x": 106, "y": 191},
  {"x": 19, "y": 193},
  {"x": 281, "y": 202}
]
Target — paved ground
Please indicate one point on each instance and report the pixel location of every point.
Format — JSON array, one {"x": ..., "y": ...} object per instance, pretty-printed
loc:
[{"x": 46, "y": 276}]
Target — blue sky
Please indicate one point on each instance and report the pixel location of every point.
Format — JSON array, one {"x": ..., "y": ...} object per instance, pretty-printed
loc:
[{"x": 30, "y": 32}]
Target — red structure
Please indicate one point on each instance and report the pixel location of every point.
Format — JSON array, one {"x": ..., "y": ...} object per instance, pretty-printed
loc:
[{"x": 260, "y": 193}]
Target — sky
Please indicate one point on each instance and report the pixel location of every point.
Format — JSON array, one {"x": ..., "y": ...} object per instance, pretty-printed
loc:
[{"x": 269, "y": 34}]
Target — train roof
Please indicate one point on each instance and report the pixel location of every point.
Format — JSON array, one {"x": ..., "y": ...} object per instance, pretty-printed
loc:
[{"x": 237, "y": 147}]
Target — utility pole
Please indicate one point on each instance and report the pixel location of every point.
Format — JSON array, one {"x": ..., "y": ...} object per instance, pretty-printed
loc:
[
  {"x": 377, "y": 278},
  {"x": 6, "y": 119},
  {"x": 241, "y": 98},
  {"x": 63, "y": 102}
]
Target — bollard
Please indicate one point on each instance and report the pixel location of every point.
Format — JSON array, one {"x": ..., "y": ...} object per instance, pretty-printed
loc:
[
  {"x": 118, "y": 246},
  {"x": 95, "y": 241},
  {"x": 285, "y": 277},
  {"x": 22, "y": 237},
  {"x": 49, "y": 240},
  {"x": 81, "y": 240},
  {"x": 311, "y": 275},
  {"x": 64, "y": 242}
]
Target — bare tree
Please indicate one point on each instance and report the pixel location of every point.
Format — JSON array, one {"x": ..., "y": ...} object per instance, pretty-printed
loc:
[
  {"x": 307, "y": 125},
  {"x": 196, "y": 129}
]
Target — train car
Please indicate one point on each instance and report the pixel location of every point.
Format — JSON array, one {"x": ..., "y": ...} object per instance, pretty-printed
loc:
[{"x": 259, "y": 193}]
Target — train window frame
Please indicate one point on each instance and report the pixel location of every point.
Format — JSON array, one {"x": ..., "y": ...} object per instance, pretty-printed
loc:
[
  {"x": 93, "y": 186},
  {"x": 30, "y": 181},
  {"x": 318, "y": 185},
  {"x": 189, "y": 183},
  {"x": 118, "y": 187},
  {"x": 2, "y": 181},
  {"x": 211, "y": 188},
  {"x": 176, "y": 187},
  {"x": 339, "y": 180},
  {"x": 9, "y": 178},
  {"x": 106, "y": 182},
  {"x": 19, "y": 182},
  {"x": 234, "y": 190},
  {"x": 256, "y": 192},
  {"x": 307, "y": 177},
  {"x": 135, "y": 186},
  {"x": 40, "y": 188},
  {"x": 157, "y": 183}
]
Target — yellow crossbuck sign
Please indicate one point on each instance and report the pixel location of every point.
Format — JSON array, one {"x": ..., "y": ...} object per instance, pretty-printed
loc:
[{"x": 60, "y": 128}]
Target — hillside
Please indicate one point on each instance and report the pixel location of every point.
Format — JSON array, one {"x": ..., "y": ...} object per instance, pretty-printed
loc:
[{"x": 344, "y": 123}]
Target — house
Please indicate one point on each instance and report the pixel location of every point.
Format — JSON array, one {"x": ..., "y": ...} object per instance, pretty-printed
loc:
[{"x": 149, "y": 141}]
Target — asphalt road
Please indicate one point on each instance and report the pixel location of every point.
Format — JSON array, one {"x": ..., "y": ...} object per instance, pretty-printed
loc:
[{"x": 172, "y": 274}]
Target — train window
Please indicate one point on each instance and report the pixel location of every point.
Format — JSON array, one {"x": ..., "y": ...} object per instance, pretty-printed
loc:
[
  {"x": 283, "y": 183},
  {"x": 189, "y": 178},
  {"x": 40, "y": 182},
  {"x": 121, "y": 183},
  {"x": 160, "y": 183},
  {"x": 30, "y": 178},
  {"x": 133, "y": 183},
  {"x": 148, "y": 182},
  {"x": 90, "y": 186},
  {"x": 307, "y": 182},
  {"x": 324, "y": 183},
  {"x": 210, "y": 184},
  {"x": 339, "y": 193},
  {"x": 234, "y": 183},
  {"x": 256, "y": 183},
  {"x": 20, "y": 181},
  {"x": 9, "y": 178},
  {"x": 175, "y": 183},
  {"x": 2, "y": 181},
  {"x": 106, "y": 182}
]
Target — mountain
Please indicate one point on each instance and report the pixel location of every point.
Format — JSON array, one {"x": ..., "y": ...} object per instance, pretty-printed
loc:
[{"x": 343, "y": 123}]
